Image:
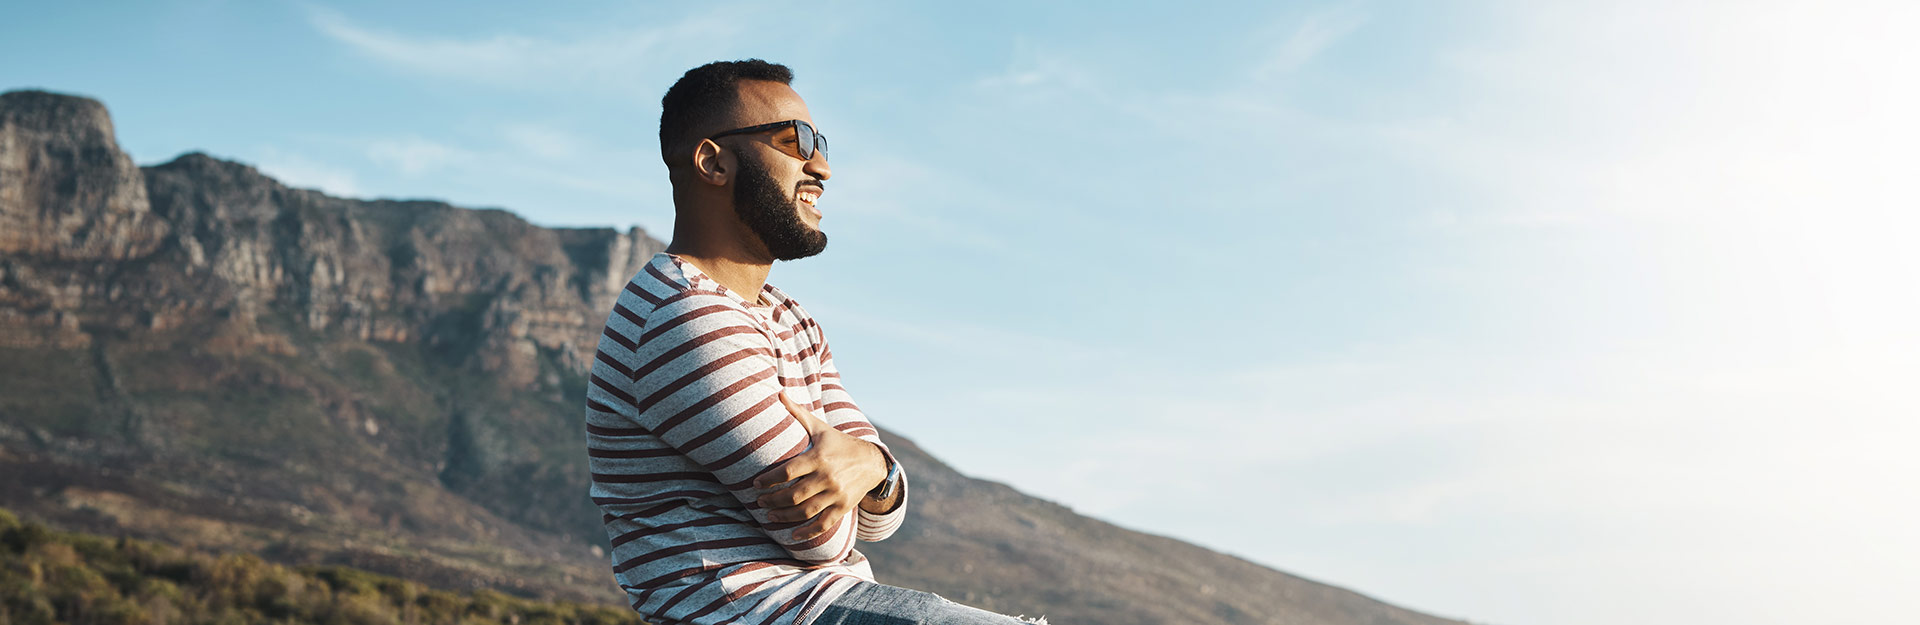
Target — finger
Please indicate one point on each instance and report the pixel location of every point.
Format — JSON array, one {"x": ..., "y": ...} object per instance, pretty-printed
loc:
[
  {"x": 794, "y": 468},
  {"x": 793, "y": 494},
  {"x": 801, "y": 511},
  {"x": 812, "y": 423},
  {"x": 819, "y": 524}
]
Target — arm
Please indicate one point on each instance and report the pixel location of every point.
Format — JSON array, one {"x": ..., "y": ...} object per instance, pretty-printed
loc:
[
  {"x": 878, "y": 521},
  {"x": 702, "y": 378},
  {"x": 835, "y": 477}
]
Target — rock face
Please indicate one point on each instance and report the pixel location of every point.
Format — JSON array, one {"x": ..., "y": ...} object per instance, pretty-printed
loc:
[
  {"x": 66, "y": 190},
  {"x": 217, "y": 237},
  {"x": 393, "y": 271},
  {"x": 199, "y": 329},
  {"x": 197, "y": 353}
]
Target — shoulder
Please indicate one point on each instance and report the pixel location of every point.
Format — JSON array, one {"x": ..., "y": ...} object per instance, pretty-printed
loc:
[
  {"x": 660, "y": 280},
  {"x": 785, "y": 305},
  {"x": 695, "y": 311},
  {"x": 667, "y": 288},
  {"x": 701, "y": 327},
  {"x": 700, "y": 303}
]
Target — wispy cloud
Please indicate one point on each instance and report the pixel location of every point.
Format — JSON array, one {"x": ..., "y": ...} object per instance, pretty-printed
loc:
[
  {"x": 893, "y": 191},
  {"x": 600, "y": 60},
  {"x": 1033, "y": 66},
  {"x": 1309, "y": 37},
  {"x": 296, "y": 170},
  {"x": 1751, "y": 155},
  {"x": 1702, "y": 120},
  {"x": 415, "y": 156},
  {"x": 518, "y": 166},
  {"x": 550, "y": 157},
  {"x": 544, "y": 142}
]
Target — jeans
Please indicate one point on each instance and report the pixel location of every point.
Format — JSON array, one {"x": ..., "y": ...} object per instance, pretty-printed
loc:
[{"x": 880, "y": 604}]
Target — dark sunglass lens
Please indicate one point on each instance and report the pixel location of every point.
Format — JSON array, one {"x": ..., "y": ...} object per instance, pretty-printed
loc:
[
  {"x": 806, "y": 140},
  {"x": 822, "y": 143}
]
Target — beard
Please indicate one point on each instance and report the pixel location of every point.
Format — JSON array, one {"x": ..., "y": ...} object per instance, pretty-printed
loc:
[{"x": 772, "y": 215}]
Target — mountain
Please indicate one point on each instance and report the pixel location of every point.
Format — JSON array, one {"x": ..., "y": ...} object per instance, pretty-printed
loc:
[{"x": 196, "y": 353}]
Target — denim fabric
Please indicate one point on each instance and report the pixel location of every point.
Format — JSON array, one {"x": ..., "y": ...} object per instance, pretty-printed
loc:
[{"x": 880, "y": 604}]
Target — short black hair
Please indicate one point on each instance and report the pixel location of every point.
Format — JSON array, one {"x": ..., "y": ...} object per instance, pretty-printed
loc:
[{"x": 708, "y": 93}]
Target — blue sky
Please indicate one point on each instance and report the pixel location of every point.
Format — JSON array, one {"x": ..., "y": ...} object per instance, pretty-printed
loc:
[{"x": 1529, "y": 313}]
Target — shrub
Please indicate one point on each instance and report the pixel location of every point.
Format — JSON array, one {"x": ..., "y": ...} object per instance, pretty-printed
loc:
[
  {"x": 22, "y": 536},
  {"x": 51, "y": 578}
]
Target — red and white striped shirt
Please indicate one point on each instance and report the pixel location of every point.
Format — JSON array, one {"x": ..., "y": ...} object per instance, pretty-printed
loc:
[{"x": 681, "y": 417}]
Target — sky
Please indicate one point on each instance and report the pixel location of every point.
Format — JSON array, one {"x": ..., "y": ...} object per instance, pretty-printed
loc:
[{"x": 1527, "y": 313}]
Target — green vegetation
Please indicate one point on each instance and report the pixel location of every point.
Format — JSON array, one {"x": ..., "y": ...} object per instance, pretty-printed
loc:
[{"x": 49, "y": 577}]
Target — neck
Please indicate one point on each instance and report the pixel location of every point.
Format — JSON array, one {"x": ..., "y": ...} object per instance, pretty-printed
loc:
[
  {"x": 741, "y": 272},
  {"x": 744, "y": 279}
]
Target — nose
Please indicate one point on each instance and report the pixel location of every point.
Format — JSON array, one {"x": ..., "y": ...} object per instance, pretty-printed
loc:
[{"x": 817, "y": 166}]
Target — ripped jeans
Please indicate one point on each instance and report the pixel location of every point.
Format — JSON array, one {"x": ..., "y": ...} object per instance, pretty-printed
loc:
[{"x": 880, "y": 604}]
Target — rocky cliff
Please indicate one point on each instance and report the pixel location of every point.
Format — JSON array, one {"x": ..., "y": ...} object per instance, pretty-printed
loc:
[
  {"x": 196, "y": 333},
  {"x": 197, "y": 353}
]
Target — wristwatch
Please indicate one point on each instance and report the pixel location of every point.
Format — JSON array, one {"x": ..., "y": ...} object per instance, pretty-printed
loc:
[{"x": 887, "y": 486}]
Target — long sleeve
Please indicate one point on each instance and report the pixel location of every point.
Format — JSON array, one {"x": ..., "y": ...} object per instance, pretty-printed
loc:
[
  {"x": 845, "y": 416},
  {"x": 702, "y": 378},
  {"x": 682, "y": 414}
]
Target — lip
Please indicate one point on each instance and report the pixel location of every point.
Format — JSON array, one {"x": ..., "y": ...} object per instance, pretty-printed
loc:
[{"x": 816, "y": 192}]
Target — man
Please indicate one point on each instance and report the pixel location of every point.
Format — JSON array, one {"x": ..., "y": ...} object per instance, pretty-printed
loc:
[{"x": 734, "y": 470}]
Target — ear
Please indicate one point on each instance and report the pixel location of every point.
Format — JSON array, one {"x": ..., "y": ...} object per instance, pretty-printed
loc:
[{"x": 711, "y": 164}]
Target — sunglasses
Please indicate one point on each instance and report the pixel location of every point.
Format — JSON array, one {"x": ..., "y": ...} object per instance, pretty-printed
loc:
[{"x": 808, "y": 140}]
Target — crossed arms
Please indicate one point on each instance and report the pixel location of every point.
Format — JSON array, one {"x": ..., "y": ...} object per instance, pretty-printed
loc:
[{"x": 702, "y": 382}]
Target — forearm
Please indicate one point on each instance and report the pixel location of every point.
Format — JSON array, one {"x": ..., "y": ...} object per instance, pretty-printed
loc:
[
  {"x": 880, "y": 517},
  {"x": 707, "y": 389},
  {"x": 881, "y": 505}
]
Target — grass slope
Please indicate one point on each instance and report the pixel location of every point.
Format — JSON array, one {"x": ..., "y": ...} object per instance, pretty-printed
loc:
[{"x": 49, "y": 577}]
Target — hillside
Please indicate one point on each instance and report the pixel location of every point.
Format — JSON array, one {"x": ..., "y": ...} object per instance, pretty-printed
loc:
[
  {"x": 60, "y": 577},
  {"x": 196, "y": 353}
]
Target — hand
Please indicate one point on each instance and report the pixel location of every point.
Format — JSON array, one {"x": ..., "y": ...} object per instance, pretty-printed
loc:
[{"x": 824, "y": 483}]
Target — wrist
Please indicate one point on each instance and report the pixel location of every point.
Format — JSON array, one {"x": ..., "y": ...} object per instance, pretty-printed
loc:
[{"x": 884, "y": 487}]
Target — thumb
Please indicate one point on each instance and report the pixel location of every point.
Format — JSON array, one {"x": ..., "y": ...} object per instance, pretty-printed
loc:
[{"x": 812, "y": 423}]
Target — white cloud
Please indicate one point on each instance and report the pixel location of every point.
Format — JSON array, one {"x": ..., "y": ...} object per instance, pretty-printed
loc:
[
  {"x": 1696, "y": 114},
  {"x": 1036, "y": 69},
  {"x": 1745, "y": 448},
  {"x": 543, "y": 142},
  {"x": 1761, "y": 151},
  {"x": 1309, "y": 37},
  {"x": 1746, "y": 451},
  {"x": 893, "y": 192},
  {"x": 606, "y": 59},
  {"x": 298, "y": 171},
  {"x": 415, "y": 156},
  {"x": 549, "y": 157}
]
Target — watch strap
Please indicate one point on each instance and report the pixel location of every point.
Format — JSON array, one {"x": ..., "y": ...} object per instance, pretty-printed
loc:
[{"x": 892, "y": 482}]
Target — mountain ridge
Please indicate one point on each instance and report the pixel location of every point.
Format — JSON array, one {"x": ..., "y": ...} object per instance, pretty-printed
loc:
[{"x": 195, "y": 352}]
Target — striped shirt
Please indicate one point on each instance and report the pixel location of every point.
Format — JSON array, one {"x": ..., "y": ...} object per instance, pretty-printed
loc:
[{"x": 682, "y": 415}]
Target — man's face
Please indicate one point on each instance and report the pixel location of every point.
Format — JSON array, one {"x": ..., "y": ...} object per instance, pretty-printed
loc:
[
  {"x": 772, "y": 211},
  {"x": 774, "y": 192}
]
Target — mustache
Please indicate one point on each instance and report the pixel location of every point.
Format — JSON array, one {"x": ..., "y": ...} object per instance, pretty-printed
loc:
[{"x": 822, "y": 186}]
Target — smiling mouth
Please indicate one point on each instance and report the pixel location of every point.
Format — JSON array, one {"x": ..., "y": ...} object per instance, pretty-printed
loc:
[{"x": 810, "y": 198}]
